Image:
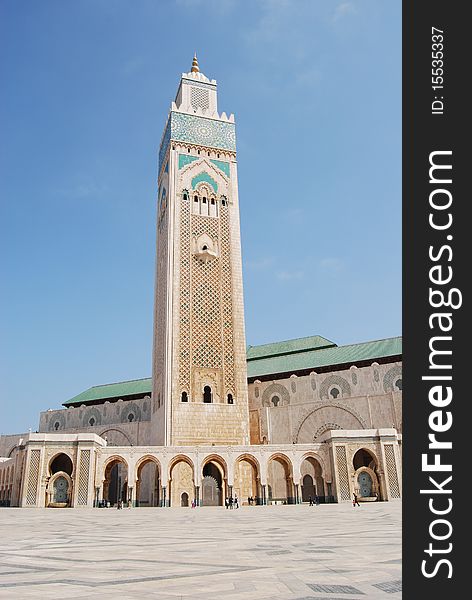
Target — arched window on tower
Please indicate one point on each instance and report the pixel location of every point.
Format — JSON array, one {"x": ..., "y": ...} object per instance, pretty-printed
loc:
[
  {"x": 184, "y": 397},
  {"x": 207, "y": 394},
  {"x": 230, "y": 399}
]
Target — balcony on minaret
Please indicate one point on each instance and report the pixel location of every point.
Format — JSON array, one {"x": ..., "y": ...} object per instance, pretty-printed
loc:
[{"x": 205, "y": 249}]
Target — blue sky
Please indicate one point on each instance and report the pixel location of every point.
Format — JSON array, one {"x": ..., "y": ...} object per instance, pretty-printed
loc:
[{"x": 86, "y": 85}]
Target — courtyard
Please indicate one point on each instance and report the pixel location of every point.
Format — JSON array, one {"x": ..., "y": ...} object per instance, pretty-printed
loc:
[{"x": 325, "y": 552}]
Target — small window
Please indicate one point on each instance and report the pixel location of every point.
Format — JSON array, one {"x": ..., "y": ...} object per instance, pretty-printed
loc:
[
  {"x": 91, "y": 421},
  {"x": 195, "y": 198},
  {"x": 198, "y": 152},
  {"x": 207, "y": 394},
  {"x": 130, "y": 417},
  {"x": 184, "y": 397},
  {"x": 230, "y": 398},
  {"x": 204, "y": 200},
  {"x": 334, "y": 392},
  {"x": 213, "y": 201},
  {"x": 185, "y": 196},
  {"x": 204, "y": 247},
  {"x": 188, "y": 150},
  {"x": 275, "y": 400},
  {"x": 56, "y": 425},
  {"x": 398, "y": 384}
]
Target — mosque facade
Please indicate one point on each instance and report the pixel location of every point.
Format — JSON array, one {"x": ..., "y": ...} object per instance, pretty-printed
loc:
[{"x": 276, "y": 423}]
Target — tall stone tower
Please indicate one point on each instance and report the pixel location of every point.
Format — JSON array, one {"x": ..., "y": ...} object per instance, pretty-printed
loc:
[{"x": 199, "y": 354}]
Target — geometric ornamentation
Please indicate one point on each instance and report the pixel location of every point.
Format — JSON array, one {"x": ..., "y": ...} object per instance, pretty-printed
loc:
[
  {"x": 83, "y": 478},
  {"x": 392, "y": 470},
  {"x": 343, "y": 476},
  {"x": 33, "y": 477}
]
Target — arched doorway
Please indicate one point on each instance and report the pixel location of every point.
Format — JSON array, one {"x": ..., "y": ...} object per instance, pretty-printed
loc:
[
  {"x": 61, "y": 462},
  {"x": 312, "y": 479},
  {"x": 366, "y": 478},
  {"x": 181, "y": 480},
  {"x": 246, "y": 480},
  {"x": 148, "y": 483},
  {"x": 212, "y": 485},
  {"x": 308, "y": 488},
  {"x": 184, "y": 499},
  {"x": 115, "y": 486},
  {"x": 364, "y": 458},
  {"x": 279, "y": 480},
  {"x": 59, "y": 487}
]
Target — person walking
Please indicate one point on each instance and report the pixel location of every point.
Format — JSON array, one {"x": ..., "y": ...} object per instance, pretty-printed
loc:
[
  {"x": 231, "y": 502},
  {"x": 236, "y": 501},
  {"x": 355, "y": 501},
  {"x": 310, "y": 501}
]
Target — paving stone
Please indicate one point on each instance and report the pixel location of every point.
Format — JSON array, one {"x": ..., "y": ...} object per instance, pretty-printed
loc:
[{"x": 172, "y": 554}]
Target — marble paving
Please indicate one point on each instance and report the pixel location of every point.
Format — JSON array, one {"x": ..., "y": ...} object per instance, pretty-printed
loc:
[{"x": 326, "y": 552}]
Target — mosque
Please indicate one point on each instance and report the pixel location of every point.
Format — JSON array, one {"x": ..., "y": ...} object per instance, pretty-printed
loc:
[{"x": 275, "y": 423}]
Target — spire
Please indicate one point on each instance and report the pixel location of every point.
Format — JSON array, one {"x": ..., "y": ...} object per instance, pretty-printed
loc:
[{"x": 195, "y": 68}]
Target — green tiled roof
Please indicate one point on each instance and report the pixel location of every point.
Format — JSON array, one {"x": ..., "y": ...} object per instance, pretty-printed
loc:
[
  {"x": 290, "y": 356},
  {"x": 112, "y": 390},
  {"x": 322, "y": 357},
  {"x": 315, "y": 342}
]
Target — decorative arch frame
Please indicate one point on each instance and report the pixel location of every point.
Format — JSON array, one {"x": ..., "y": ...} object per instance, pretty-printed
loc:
[
  {"x": 321, "y": 405},
  {"x": 283, "y": 457},
  {"x": 318, "y": 458},
  {"x": 180, "y": 458},
  {"x": 220, "y": 463},
  {"x": 113, "y": 458},
  {"x": 54, "y": 456},
  {"x": 390, "y": 376},
  {"x": 249, "y": 458},
  {"x": 275, "y": 389},
  {"x": 119, "y": 431},
  {"x": 369, "y": 451},
  {"x": 143, "y": 460}
]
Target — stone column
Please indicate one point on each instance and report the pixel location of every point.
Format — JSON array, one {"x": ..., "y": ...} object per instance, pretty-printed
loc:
[
  {"x": 264, "y": 494},
  {"x": 164, "y": 498},
  {"x": 197, "y": 495},
  {"x": 132, "y": 494}
]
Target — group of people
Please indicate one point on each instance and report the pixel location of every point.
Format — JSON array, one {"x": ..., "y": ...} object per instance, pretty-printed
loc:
[
  {"x": 251, "y": 500},
  {"x": 313, "y": 501},
  {"x": 232, "y": 502}
]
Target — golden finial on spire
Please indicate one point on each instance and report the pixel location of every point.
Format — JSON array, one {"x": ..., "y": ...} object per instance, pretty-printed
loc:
[{"x": 195, "y": 68}]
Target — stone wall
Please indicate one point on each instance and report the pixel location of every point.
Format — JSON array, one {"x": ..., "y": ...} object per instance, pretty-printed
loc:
[
  {"x": 124, "y": 422},
  {"x": 304, "y": 409}
]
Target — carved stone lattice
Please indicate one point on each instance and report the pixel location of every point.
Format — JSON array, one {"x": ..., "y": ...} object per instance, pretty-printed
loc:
[
  {"x": 227, "y": 304},
  {"x": 33, "y": 477},
  {"x": 390, "y": 376},
  {"x": 343, "y": 475},
  {"x": 184, "y": 340},
  {"x": 199, "y": 98},
  {"x": 206, "y": 313},
  {"x": 161, "y": 293},
  {"x": 82, "y": 492},
  {"x": 336, "y": 380},
  {"x": 392, "y": 471}
]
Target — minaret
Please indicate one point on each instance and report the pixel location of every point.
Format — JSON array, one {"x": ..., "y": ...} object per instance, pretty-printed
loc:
[{"x": 199, "y": 354}]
